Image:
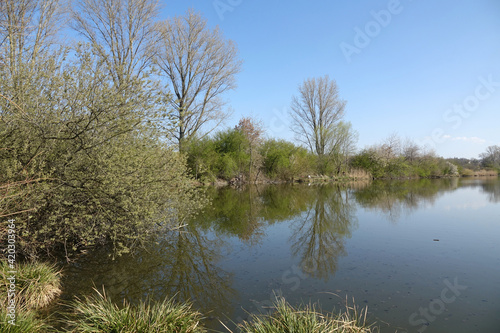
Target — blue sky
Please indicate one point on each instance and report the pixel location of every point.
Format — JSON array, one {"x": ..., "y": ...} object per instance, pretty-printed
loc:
[{"x": 425, "y": 70}]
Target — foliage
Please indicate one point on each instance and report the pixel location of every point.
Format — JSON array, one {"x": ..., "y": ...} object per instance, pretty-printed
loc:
[
  {"x": 284, "y": 160},
  {"x": 99, "y": 314},
  {"x": 202, "y": 159},
  {"x": 491, "y": 158},
  {"x": 389, "y": 160},
  {"x": 231, "y": 145},
  {"x": 80, "y": 165}
]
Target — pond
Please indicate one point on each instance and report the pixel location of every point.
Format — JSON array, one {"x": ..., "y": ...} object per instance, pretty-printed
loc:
[{"x": 423, "y": 255}]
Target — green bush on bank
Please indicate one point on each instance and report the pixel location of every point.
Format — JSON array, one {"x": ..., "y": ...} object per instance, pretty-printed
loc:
[
  {"x": 228, "y": 154},
  {"x": 400, "y": 167},
  {"x": 81, "y": 163},
  {"x": 283, "y": 160}
]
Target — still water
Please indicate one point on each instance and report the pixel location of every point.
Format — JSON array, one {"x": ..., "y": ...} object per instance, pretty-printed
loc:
[{"x": 423, "y": 255}]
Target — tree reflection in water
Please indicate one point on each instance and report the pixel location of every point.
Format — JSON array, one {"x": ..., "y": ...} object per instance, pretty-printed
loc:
[
  {"x": 187, "y": 264},
  {"x": 319, "y": 233},
  {"x": 181, "y": 265},
  {"x": 402, "y": 197},
  {"x": 491, "y": 186}
]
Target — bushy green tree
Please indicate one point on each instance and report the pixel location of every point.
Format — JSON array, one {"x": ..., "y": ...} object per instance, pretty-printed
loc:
[
  {"x": 284, "y": 160},
  {"x": 202, "y": 159},
  {"x": 232, "y": 147},
  {"x": 91, "y": 171}
]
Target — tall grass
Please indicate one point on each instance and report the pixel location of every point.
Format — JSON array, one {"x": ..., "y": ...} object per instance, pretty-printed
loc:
[
  {"x": 478, "y": 173},
  {"x": 26, "y": 321},
  {"x": 307, "y": 319},
  {"x": 37, "y": 284},
  {"x": 98, "y": 313}
]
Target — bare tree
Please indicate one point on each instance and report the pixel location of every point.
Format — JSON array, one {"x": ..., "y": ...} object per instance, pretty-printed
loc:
[
  {"x": 122, "y": 32},
  {"x": 491, "y": 158},
  {"x": 252, "y": 130},
  {"x": 316, "y": 112},
  {"x": 391, "y": 147},
  {"x": 411, "y": 151},
  {"x": 27, "y": 29},
  {"x": 345, "y": 147},
  {"x": 199, "y": 66}
]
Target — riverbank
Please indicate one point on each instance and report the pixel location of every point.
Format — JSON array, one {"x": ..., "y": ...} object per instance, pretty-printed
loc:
[
  {"x": 39, "y": 285},
  {"x": 350, "y": 177}
]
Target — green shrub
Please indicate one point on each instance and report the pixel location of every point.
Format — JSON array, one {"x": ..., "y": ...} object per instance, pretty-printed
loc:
[
  {"x": 370, "y": 162},
  {"x": 87, "y": 166},
  {"x": 284, "y": 160}
]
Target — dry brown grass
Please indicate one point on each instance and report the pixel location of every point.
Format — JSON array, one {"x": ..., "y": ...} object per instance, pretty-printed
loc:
[{"x": 37, "y": 284}]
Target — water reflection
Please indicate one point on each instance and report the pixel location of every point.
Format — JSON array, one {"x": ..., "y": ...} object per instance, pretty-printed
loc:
[
  {"x": 319, "y": 234},
  {"x": 323, "y": 216},
  {"x": 245, "y": 212},
  {"x": 492, "y": 188},
  {"x": 181, "y": 265},
  {"x": 320, "y": 218},
  {"x": 398, "y": 198}
]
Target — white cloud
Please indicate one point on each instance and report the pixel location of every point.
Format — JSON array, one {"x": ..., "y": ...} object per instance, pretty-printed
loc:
[{"x": 472, "y": 139}]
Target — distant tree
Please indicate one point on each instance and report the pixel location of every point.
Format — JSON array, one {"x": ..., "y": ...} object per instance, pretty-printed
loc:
[
  {"x": 199, "y": 66},
  {"x": 410, "y": 150},
  {"x": 316, "y": 113},
  {"x": 391, "y": 147},
  {"x": 252, "y": 130},
  {"x": 343, "y": 146},
  {"x": 491, "y": 158}
]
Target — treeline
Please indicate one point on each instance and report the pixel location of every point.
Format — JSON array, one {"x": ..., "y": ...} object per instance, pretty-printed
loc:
[
  {"x": 397, "y": 159},
  {"x": 242, "y": 154}
]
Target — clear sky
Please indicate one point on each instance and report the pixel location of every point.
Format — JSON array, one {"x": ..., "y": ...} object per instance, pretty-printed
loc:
[{"x": 425, "y": 70}]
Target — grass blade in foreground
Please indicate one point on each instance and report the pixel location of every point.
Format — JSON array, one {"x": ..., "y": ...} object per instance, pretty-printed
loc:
[
  {"x": 99, "y": 314},
  {"x": 307, "y": 320}
]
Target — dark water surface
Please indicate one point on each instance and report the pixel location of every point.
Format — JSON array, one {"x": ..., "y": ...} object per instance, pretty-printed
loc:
[{"x": 423, "y": 255}]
